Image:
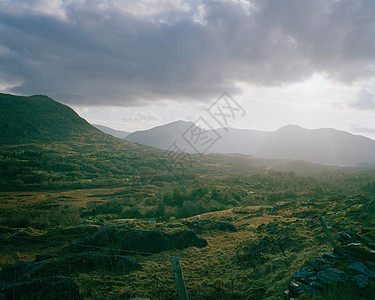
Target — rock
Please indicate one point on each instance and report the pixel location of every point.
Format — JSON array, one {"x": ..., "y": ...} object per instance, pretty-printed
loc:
[
  {"x": 226, "y": 226},
  {"x": 312, "y": 278},
  {"x": 356, "y": 251},
  {"x": 287, "y": 295},
  {"x": 315, "y": 284},
  {"x": 329, "y": 256},
  {"x": 319, "y": 263},
  {"x": 186, "y": 239},
  {"x": 297, "y": 288},
  {"x": 41, "y": 257},
  {"x": 44, "y": 288},
  {"x": 304, "y": 274},
  {"x": 149, "y": 242},
  {"x": 206, "y": 221},
  {"x": 194, "y": 225},
  {"x": 61, "y": 265},
  {"x": 361, "y": 281},
  {"x": 332, "y": 275},
  {"x": 344, "y": 237},
  {"x": 361, "y": 267},
  {"x": 370, "y": 265}
]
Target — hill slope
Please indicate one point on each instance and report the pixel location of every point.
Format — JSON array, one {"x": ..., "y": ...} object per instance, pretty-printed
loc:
[
  {"x": 162, "y": 136},
  {"x": 39, "y": 118},
  {"x": 231, "y": 140},
  {"x": 116, "y": 133},
  {"x": 325, "y": 146}
]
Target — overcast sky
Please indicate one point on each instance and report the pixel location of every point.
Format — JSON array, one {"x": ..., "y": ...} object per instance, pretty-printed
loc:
[{"x": 136, "y": 64}]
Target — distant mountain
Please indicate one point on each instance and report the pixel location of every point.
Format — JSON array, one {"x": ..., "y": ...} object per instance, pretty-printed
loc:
[
  {"x": 163, "y": 136},
  {"x": 39, "y": 119},
  {"x": 228, "y": 140},
  {"x": 325, "y": 146},
  {"x": 116, "y": 133}
]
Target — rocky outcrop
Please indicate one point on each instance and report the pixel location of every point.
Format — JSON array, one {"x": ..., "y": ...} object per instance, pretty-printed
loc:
[
  {"x": 43, "y": 288},
  {"x": 226, "y": 226},
  {"x": 353, "y": 260},
  {"x": 32, "y": 280},
  {"x": 137, "y": 241},
  {"x": 65, "y": 265}
]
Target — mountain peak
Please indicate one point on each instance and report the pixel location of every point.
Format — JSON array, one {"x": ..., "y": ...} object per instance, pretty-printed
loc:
[
  {"x": 291, "y": 127},
  {"x": 39, "y": 118}
]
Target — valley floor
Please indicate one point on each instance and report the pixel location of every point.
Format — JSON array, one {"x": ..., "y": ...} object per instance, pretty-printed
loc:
[{"x": 251, "y": 252}]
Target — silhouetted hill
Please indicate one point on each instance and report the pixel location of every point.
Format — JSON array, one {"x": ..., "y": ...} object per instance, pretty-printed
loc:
[
  {"x": 230, "y": 140},
  {"x": 116, "y": 133},
  {"x": 39, "y": 119},
  {"x": 325, "y": 146},
  {"x": 162, "y": 136}
]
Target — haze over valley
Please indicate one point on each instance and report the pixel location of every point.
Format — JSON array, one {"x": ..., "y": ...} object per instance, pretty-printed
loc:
[{"x": 220, "y": 149}]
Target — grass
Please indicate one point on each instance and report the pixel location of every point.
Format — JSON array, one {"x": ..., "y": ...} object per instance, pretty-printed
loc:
[
  {"x": 29, "y": 218},
  {"x": 211, "y": 272}
]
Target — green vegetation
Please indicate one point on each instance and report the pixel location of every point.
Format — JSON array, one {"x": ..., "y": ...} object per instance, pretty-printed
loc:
[{"x": 62, "y": 185}]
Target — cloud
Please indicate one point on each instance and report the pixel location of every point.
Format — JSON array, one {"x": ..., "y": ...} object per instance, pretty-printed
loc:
[
  {"x": 142, "y": 116},
  {"x": 362, "y": 129},
  {"x": 136, "y": 52},
  {"x": 365, "y": 101}
]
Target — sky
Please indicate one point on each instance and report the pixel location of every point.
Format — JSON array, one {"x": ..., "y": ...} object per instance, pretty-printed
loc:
[{"x": 136, "y": 64}]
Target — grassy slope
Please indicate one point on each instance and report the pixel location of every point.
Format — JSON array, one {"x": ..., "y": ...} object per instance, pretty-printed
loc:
[
  {"x": 51, "y": 180},
  {"x": 213, "y": 272}
]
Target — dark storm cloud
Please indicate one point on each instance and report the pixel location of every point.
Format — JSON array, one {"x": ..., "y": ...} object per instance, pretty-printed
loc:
[{"x": 103, "y": 54}]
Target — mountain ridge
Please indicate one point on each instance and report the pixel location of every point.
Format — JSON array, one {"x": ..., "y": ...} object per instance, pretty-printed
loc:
[
  {"x": 114, "y": 132},
  {"x": 324, "y": 145},
  {"x": 39, "y": 118}
]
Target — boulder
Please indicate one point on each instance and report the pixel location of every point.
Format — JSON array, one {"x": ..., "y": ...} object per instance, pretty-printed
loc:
[
  {"x": 137, "y": 241},
  {"x": 332, "y": 275},
  {"x": 344, "y": 237},
  {"x": 319, "y": 263},
  {"x": 370, "y": 265},
  {"x": 44, "y": 288},
  {"x": 361, "y": 281},
  {"x": 330, "y": 256},
  {"x": 194, "y": 225},
  {"x": 361, "y": 267},
  {"x": 63, "y": 266},
  {"x": 186, "y": 239},
  {"x": 226, "y": 226},
  {"x": 304, "y": 274},
  {"x": 371, "y": 245},
  {"x": 297, "y": 288},
  {"x": 356, "y": 251}
]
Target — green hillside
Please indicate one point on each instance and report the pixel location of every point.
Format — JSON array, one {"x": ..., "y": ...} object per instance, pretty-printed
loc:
[
  {"x": 39, "y": 119},
  {"x": 110, "y": 214}
]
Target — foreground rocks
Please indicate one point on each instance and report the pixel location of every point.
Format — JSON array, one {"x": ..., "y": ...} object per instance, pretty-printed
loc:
[
  {"x": 18, "y": 281},
  {"x": 43, "y": 288},
  {"x": 33, "y": 280},
  {"x": 66, "y": 265},
  {"x": 351, "y": 261},
  {"x": 148, "y": 242}
]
